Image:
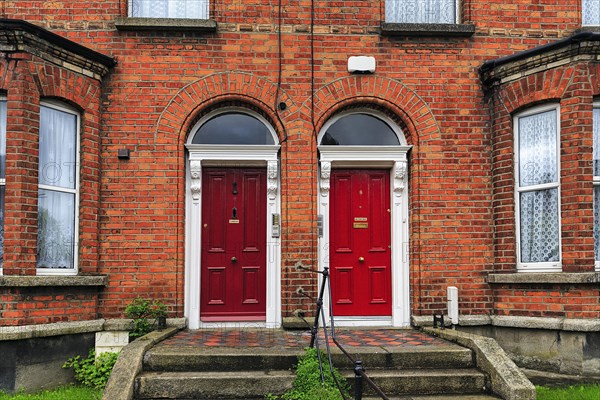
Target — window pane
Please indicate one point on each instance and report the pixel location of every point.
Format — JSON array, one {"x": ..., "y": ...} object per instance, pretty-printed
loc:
[
  {"x": 233, "y": 128},
  {"x": 197, "y": 9},
  {"x": 537, "y": 149},
  {"x": 2, "y": 139},
  {"x": 58, "y": 148},
  {"x": 539, "y": 226},
  {"x": 590, "y": 12},
  {"x": 596, "y": 122},
  {"x": 597, "y": 222},
  {"x": 56, "y": 229},
  {"x": 421, "y": 11},
  {"x": 360, "y": 130}
]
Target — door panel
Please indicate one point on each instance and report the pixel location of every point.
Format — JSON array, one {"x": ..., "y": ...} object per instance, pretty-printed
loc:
[
  {"x": 360, "y": 236},
  {"x": 233, "y": 256}
]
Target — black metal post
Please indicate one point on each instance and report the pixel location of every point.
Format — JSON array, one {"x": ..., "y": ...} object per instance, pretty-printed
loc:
[
  {"x": 315, "y": 329},
  {"x": 358, "y": 380}
]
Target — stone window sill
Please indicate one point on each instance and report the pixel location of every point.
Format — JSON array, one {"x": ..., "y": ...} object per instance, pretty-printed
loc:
[
  {"x": 549, "y": 278},
  {"x": 166, "y": 24},
  {"x": 440, "y": 30},
  {"x": 55, "y": 281}
]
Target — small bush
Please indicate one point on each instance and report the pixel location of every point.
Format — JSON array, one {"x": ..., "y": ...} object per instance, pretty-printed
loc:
[
  {"x": 92, "y": 372},
  {"x": 308, "y": 385},
  {"x": 144, "y": 314}
]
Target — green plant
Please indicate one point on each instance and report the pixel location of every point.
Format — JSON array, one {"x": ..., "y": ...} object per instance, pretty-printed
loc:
[
  {"x": 308, "y": 385},
  {"x": 578, "y": 392},
  {"x": 62, "y": 393},
  {"x": 91, "y": 371},
  {"x": 142, "y": 311}
]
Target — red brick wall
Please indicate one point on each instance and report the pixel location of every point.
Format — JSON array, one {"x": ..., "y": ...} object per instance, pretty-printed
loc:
[{"x": 165, "y": 80}]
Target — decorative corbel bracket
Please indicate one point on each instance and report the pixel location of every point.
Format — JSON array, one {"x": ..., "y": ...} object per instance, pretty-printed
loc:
[
  {"x": 400, "y": 168},
  {"x": 325, "y": 178},
  {"x": 272, "y": 175},
  {"x": 196, "y": 176}
]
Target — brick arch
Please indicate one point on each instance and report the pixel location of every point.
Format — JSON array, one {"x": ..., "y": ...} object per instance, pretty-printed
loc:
[
  {"x": 547, "y": 86},
  {"x": 76, "y": 89},
  {"x": 183, "y": 109},
  {"x": 418, "y": 122}
]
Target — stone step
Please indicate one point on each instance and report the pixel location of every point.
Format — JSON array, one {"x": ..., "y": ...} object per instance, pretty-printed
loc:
[
  {"x": 238, "y": 359},
  {"x": 212, "y": 385},
  {"x": 255, "y": 384},
  {"x": 424, "y": 382}
]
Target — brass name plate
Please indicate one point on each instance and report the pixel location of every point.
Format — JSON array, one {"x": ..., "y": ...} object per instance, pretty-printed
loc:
[
  {"x": 234, "y": 221},
  {"x": 360, "y": 219},
  {"x": 361, "y": 225}
]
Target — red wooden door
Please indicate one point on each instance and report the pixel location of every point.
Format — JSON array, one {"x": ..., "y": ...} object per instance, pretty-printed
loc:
[
  {"x": 360, "y": 253},
  {"x": 233, "y": 272}
]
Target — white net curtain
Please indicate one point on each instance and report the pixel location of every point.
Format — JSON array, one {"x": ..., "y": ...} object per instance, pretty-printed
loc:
[
  {"x": 56, "y": 195},
  {"x": 590, "y": 12},
  {"x": 538, "y": 165},
  {"x": 195, "y": 9},
  {"x": 421, "y": 11}
]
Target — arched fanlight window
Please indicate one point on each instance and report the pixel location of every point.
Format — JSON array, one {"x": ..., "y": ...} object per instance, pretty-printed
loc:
[
  {"x": 234, "y": 128},
  {"x": 360, "y": 130}
]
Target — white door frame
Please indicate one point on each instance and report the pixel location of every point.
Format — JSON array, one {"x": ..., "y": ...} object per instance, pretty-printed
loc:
[
  {"x": 205, "y": 155},
  {"x": 383, "y": 157}
]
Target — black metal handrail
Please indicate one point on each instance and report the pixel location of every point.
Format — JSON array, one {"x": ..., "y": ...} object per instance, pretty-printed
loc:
[{"x": 359, "y": 370}]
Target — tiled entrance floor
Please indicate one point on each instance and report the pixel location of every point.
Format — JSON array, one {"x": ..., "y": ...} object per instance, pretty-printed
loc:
[{"x": 259, "y": 338}]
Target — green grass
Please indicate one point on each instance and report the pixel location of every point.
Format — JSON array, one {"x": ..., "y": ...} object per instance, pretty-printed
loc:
[
  {"x": 583, "y": 392},
  {"x": 63, "y": 393}
]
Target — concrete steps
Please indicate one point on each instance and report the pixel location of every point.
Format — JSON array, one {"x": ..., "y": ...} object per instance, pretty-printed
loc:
[{"x": 250, "y": 373}]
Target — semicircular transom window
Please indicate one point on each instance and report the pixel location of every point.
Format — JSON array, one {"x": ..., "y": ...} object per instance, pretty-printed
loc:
[
  {"x": 233, "y": 128},
  {"x": 360, "y": 130}
]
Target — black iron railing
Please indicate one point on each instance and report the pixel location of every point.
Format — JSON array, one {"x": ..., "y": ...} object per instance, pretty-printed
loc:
[{"x": 360, "y": 375}]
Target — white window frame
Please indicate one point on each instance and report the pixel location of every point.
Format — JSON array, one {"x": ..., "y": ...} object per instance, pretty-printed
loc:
[
  {"x": 597, "y": 23},
  {"x": 205, "y": 13},
  {"x": 457, "y": 15},
  {"x": 549, "y": 266},
  {"x": 596, "y": 183},
  {"x": 3, "y": 181},
  {"x": 60, "y": 106}
]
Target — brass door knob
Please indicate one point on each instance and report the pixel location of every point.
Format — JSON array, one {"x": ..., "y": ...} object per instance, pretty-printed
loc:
[
  {"x": 233, "y": 259},
  {"x": 361, "y": 259}
]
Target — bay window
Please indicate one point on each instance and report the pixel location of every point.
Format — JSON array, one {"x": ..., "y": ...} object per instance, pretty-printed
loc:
[
  {"x": 421, "y": 11},
  {"x": 196, "y": 9},
  {"x": 537, "y": 194},
  {"x": 58, "y": 191}
]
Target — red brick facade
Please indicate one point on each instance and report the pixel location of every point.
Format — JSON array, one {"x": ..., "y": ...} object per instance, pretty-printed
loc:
[{"x": 132, "y": 213}]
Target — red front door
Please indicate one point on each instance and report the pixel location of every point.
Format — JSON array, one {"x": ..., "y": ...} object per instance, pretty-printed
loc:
[
  {"x": 233, "y": 271},
  {"x": 360, "y": 254}
]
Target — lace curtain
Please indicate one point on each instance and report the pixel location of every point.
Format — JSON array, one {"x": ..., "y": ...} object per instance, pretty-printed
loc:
[
  {"x": 539, "y": 222},
  {"x": 56, "y": 199},
  {"x": 590, "y": 12},
  {"x": 197, "y": 9},
  {"x": 421, "y": 11}
]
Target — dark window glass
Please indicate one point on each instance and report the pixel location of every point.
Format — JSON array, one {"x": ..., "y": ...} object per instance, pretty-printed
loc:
[
  {"x": 233, "y": 128},
  {"x": 360, "y": 130}
]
